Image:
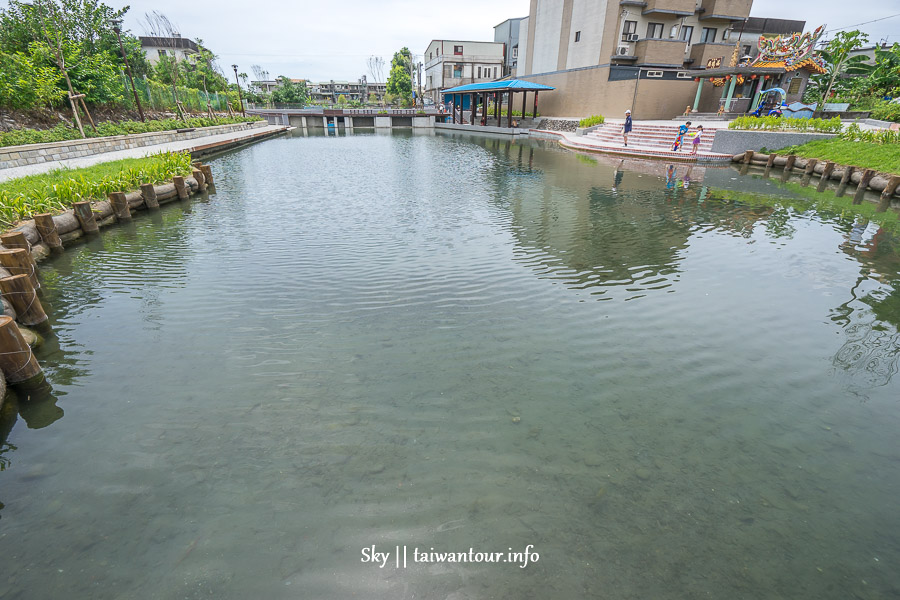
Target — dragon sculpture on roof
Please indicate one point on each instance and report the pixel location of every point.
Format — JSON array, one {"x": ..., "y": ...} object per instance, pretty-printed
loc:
[{"x": 790, "y": 49}]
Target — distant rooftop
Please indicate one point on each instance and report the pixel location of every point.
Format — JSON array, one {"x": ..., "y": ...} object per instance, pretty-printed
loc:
[
  {"x": 168, "y": 42},
  {"x": 762, "y": 25}
]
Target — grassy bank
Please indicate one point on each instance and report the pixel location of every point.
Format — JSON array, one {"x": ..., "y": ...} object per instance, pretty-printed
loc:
[
  {"x": 881, "y": 157},
  {"x": 61, "y": 132},
  {"x": 57, "y": 190}
]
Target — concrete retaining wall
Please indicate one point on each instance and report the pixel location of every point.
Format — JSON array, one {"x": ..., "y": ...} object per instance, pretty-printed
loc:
[
  {"x": 735, "y": 141},
  {"x": 19, "y": 156}
]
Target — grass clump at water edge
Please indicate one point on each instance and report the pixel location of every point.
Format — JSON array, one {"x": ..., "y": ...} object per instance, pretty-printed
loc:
[
  {"x": 56, "y": 191},
  {"x": 868, "y": 155}
]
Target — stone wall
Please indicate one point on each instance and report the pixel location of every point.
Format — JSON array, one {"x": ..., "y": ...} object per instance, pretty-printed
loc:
[
  {"x": 19, "y": 156},
  {"x": 736, "y": 141}
]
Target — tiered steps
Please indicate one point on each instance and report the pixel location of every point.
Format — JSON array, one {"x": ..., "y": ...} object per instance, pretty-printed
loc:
[{"x": 657, "y": 137}]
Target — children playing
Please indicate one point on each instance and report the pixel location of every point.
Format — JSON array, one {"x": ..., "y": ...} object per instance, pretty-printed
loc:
[
  {"x": 696, "y": 141},
  {"x": 680, "y": 138}
]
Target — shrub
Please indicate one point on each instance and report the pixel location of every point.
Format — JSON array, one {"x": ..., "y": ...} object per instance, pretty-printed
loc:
[
  {"x": 591, "y": 121},
  {"x": 855, "y": 133},
  {"x": 832, "y": 125},
  {"x": 61, "y": 132},
  {"x": 887, "y": 111}
]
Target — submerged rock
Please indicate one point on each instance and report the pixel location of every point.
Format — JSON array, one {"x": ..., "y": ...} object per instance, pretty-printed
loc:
[{"x": 32, "y": 338}]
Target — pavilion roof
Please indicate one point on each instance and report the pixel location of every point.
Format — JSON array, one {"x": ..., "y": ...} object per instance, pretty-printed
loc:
[{"x": 514, "y": 85}]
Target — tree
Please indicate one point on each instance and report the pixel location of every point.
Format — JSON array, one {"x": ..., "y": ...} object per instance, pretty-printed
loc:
[
  {"x": 837, "y": 57},
  {"x": 399, "y": 81},
  {"x": 342, "y": 100},
  {"x": 159, "y": 26},
  {"x": 289, "y": 92}
]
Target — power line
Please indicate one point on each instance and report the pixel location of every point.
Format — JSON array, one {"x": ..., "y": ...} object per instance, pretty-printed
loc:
[{"x": 866, "y": 23}]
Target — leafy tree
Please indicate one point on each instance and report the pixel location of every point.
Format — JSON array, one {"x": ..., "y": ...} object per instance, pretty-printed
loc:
[
  {"x": 883, "y": 77},
  {"x": 289, "y": 92},
  {"x": 342, "y": 100},
  {"x": 837, "y": 56},
  {"x": 399, "y": 81}
]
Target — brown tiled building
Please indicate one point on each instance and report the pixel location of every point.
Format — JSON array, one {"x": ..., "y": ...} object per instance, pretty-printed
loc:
[{"x": 608, "y": 56}]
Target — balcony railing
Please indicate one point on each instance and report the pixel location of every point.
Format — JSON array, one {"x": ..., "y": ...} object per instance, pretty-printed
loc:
[{"x": 672, "y": 8}]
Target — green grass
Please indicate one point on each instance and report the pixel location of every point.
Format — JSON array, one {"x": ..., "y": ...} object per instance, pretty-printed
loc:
[
  {"x": 881, "y": 157},
  {"x": 61, "y": 133},
  {"x": 832, "y": 125},
  {"x": 56, "y": 191},
  {"x": 591, "y": 121}
]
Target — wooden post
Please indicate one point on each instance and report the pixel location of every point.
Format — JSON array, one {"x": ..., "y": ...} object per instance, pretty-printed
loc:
[
  {"x": 473, "y": 100},
  {"x": 207, "y": 172},
  {"x": 498, "y": 100},
  {"x": 771, "y": 161},
  {"x": 826, "y": 175},
  {"x": 120, "y": 206},
  {"x": 47, "y": 228},
  {"x": 534, "y": 111},
  {"x": 524, "y": 103},
  {"x": 22, "y": 295},
  {"x": 790, "y": 162},
  {"x": 845, "y": 181},
  {"x": 16, "y": 359},
  {"x": 148, "y": 192},
  {"x": 810, "y": 165},
  {"x": 748, "y": 156},
  {"x": 180, "y": 187},
  {"x": 201, "y": 180},
  {"x": 509, "y": 109},
  {"x": 85, "y": 215},
  {"x": 863, "y": 184},
  {"x": 18, "y": 261},
  {"x": 15, "y": 239},
  {"x": 887, "y": 192}
]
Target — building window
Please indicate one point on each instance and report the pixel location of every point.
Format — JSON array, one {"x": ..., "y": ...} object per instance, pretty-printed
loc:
[
  {"x": 687, "y": 32},
  {"x": 630, "y": 27},
  {"x": 747, "y": 50},
  {"x": 161, "y": 53},
  {"x": 457, "y": 71},
  {"x": 577, "y": 36},
  {"x": 654, "y": 73},
  {"x": 479, "y": 72},
  {"x": 684, "y": 75},
  {"x": 708, "y": 35},
  {"x": 654, "y": 30},
  {"x": 448, "y": 71},
  {"x": 457, "y": 50},
  {"x": 515, "y": 52},
  {"x": 495, "y": 72}
]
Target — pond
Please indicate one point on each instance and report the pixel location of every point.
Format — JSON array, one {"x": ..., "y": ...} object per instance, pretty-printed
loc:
[{"x": 618, "y": 385}]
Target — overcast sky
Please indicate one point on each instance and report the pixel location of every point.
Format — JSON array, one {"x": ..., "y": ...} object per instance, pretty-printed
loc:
[{"x": 321, "y": 40}]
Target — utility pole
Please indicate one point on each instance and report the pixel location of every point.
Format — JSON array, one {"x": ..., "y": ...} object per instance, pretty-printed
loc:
[
  {"x": 240, "y": 95},
  {"x": 421, "y": 99},
  {"x": 117, "y": 27}
]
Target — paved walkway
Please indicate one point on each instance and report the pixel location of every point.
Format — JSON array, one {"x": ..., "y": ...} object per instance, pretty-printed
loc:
[{"x": 194, "y": 145}]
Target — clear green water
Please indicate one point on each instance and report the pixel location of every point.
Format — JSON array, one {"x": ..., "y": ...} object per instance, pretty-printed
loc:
[{"x": 463, "y": 343}]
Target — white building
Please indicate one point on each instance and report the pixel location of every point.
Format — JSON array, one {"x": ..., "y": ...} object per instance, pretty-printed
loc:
[
  {"x": 449, "y": 63},
  {"x": 177, "y": 46}
]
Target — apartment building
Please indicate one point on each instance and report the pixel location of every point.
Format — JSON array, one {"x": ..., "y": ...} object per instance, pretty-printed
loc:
[
  {"x": 449, "y": 63},
  {"x": 507, "y": 33},
  {"x": 177, "y": 46},
  {"x": 328, "y": 92},
  {"x": 597, "y": 53}
]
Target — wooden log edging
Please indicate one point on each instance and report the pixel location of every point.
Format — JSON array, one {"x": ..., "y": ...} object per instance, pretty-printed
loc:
[
  {"x": 846, "y": 174},
  {"x": 76, "y": 223},
  {"x": 17, "y": 362}
]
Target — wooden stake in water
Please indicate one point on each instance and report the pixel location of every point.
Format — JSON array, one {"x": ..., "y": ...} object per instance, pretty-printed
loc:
[
  {"x": 15, "y": 239},
  {"x": 180, "y": 187},
  {"x": 16, "y": 359},
  {"x": 887, "y": 193},
  {"x": 148, "y": 192},
  {"x": 85, "y": 215},
  {"x": 18, "y": 261},
  {"x": 47, "y": 228},
  {"x": 22, "y": 295},
  {"x": 201, "y": 180},
  {"x": 863, "y": 184},
  {"x": 120, "y": 206}
]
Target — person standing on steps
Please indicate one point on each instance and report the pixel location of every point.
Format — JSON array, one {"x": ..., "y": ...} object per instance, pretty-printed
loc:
[
  {"x": 696, "y": 141},
  {"x": 626, "y": 129}
]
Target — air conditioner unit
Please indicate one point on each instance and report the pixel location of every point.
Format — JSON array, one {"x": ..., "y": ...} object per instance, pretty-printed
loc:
[
  {"x": 623, "y": 51},
  {"x": 631, "y": 37}
]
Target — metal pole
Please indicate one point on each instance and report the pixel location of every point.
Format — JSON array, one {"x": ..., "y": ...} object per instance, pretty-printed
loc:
[
  {"x": 240, "y": 95},
  {"x": 117, "y": 29}
]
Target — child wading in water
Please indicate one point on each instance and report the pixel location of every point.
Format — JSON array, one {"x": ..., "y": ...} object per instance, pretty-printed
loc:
[{"x": 696, "y": 142}]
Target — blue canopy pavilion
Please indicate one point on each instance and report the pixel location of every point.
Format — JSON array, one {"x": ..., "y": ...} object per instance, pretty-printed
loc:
[{"x": 492, "y": 90}]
